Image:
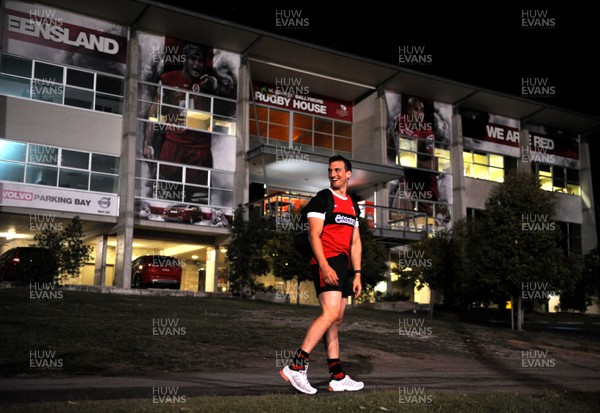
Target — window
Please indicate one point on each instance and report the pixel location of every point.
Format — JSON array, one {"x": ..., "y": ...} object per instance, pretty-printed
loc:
[
  {"x": 482, "y": 165},
  {"x": 61, "y": 85},
  {"x": 556, "y": 178},
  {"x": 53, "y": 166},
  {"x": 282, "y": 127}
]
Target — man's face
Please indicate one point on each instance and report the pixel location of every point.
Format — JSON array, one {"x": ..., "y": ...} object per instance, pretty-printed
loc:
[
  {"x": 193, "y": 66},
  {"x": 338, "y": 175}
]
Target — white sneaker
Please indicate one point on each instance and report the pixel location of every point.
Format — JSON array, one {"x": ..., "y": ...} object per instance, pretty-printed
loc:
[
  {"x": 298, "y": 379},
  {"x": 345, "y": 384}
]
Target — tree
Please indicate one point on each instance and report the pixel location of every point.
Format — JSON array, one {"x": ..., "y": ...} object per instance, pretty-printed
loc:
[
  {"x": 374, "y": 259},
  {"x": 246, "y": 252},
  {"x": 66, "y": 245},
  {"x": 285, "y": 260},
  {"x": 587, "y": 286},
  {"x": 519, "y": 256}
]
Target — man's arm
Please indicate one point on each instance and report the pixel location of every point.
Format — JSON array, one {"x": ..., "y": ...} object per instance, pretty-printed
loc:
[
  {"x": 315, "y": 228},
  {"x": 356, "y": 260}
]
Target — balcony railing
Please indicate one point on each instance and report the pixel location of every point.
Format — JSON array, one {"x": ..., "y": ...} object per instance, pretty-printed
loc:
[{"x": 387, "y": 222}]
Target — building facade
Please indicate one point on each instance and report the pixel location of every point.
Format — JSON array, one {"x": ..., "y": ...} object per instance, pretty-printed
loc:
[{"x": 153, "y": 123}]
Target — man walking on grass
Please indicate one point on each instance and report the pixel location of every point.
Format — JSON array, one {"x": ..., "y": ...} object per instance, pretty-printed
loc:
[{"x": 337, "y": 250}]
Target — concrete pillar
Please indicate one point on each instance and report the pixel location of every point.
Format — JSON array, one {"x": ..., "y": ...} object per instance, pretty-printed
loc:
[
  {"x": 588, "y": 224},
  {"x": 124, "y": 225},
  {"x": 459, "y": 206},
  {"x": 100, "y": 260}
]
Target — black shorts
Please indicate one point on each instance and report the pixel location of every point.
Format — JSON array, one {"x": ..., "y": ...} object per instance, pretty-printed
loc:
[{"x": 345, "y": 278}]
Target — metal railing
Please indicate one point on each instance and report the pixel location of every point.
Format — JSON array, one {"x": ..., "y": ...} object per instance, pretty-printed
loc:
[{"x": 284, "y": 210}]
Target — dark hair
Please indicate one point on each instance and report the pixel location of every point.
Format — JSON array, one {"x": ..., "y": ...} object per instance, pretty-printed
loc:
[{"x": 347, "y": 164}]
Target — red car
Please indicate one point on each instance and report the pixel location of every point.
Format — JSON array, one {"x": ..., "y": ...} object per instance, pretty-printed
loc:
[
  {"x": 158, "y": 271},
  {"x": 182, "y": 213}
]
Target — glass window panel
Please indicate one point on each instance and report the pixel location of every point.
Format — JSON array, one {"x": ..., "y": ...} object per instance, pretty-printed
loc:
[
  {"x": 497, "y": 161},
  {"x": 496, "y": 174},
  {"x": 468, "y": 169},
  {"x": 226, "y": 126},
  {"x": 13, "y": 172},
  {"x": 279, "y": 116},
  {"x": 444, "y": 164},
  {"x": 47, "y": 155},
  {"x": 260, "y": 111},
  {"x": 109, "y": 104},
  {"x": 572, "y": 175},
  {"x": 323, "y": 125},
  {"x": 219, "y": 197},
  {"x": 12, "y": 151},
  {"x": 145, "y": 188},
  {"x": 196, "y": 176},
  {"x": 303, "y": 121},
  {"x": 468, "y": 157},
  {"x": 104, "y": 183},
  {"x": 442, "y": 153},
  {"x": 408, "y": 144},
  {"x": 302, "y": 136},
  {"x": 559, "y": 173},
  {"x": 200, "y": 103},
  {"x": 224, "y": 107},
  {"x": 146, "y": 169},
  {"x": 323, "y": 141},
  {"x": 16, "y": 66},
  {"x": 196, "y": 194},
  {"x": 79, "y": 98},
  {"x": 198, "y": 120},
  {"x": 42, "y": 175},
  {"x": 262, "y": 129},
  {"x": 48, "y": 73},
  {"x": 170, "y": 172},
  {"x": 170, "y": 191},
  {"x": 13, "y": 86},
  {"x": 105, "y": 163},
  {"x": 546, "y": 183},
  {"x": 481, "y": 171},
  {"x": 280, "y": 133},
  {"x": 47, "y": 91},
  {"x": 114, "y": 86},
  {"x": 480, "y": 158},
  {"x": 408, "y": 159},
  {"x": 80, "y": 78},
  {"x": 221, "y": 180},
  {"x": 73, "y": 179},
  {"x": 573, "y": 189},
  {"x": 75, "y": 159},
  {"x": 343, "y": 144},
  {"x": 343, "y": 129}
]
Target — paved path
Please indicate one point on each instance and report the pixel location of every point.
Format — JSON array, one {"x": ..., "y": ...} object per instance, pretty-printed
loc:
[{"x": 569, "y": 371}]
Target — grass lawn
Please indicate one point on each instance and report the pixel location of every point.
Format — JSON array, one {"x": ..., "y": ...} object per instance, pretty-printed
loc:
[{"x": 133, "y": 335}]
